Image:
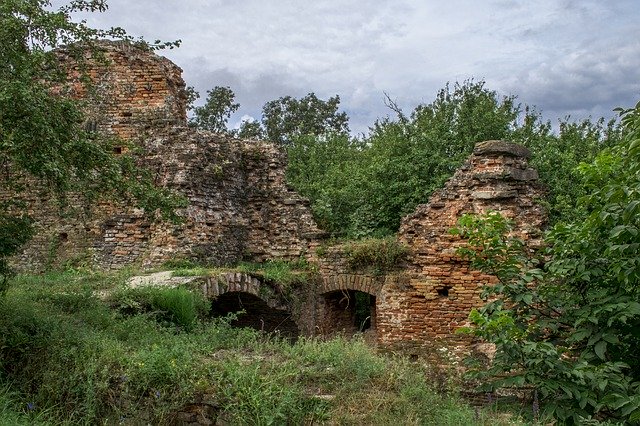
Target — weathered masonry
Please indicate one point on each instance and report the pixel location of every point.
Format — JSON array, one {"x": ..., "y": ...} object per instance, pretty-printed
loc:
[
  {"x": 431, "y": 295},
  {"x": 240, "y": 208},
  {"x": 239, "y": 204}
]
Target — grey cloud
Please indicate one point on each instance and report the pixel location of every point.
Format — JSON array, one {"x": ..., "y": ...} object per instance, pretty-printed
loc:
[
  {"x": 592, "y": 82},
  {"x": 252, "y": 93},
  {"x": 578, "y": 57}
]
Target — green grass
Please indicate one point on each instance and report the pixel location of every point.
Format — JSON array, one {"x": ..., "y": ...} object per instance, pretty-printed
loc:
[
  {"x": 196, "y": 271},
  {"x": 285, "y": 273},
  {"x": 75, "y": 358},
  {"x": 282, "y": 272},
  {"x": 379, "y": 255}
]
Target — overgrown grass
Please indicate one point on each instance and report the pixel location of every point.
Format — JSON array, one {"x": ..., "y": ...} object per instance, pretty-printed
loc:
[
  {"x": 12, "y": 414},
  {"x": 195, "y": 271},
  {"x": 78, "y": 359},
  {"x": 285, "y": 273},
  {"x": 178, "y": 306},
  {"x": 377, "y": 254},
  {"x": 279, "y": 271}
]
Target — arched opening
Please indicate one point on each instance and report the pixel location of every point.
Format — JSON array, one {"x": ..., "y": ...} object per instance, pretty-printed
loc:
[
  {"x": 257, "y": 313},
  {"x": 349, "y": 311}
]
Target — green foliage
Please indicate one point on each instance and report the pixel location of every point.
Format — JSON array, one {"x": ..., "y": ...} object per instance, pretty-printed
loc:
[
  {"x": 378, "y": 254},
  {"x": 557, "y": 158},
  {"x": 215, "y": 113},
  {"x": 571, "y": 331},
  {"x": 41, "y": 134},
  {"x": 72, "y": 359},
  {"x": 285, "y": 273},
  {"x": 250, "y": 129},
  {"x": 14, "y": 232},
  {"x": 363, "y": 187},
  {"x": 177, "y": 306},
  {"x": 286, "y": 118},
  {"x": 195, "y": 271},
  {"x": 13, "y": 415},
  {"x": 326, "y": 171},
  {"x": 266, "y": 393}
]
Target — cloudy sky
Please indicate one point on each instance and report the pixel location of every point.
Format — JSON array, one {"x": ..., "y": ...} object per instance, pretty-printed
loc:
[{"x": 578, "y": 58}]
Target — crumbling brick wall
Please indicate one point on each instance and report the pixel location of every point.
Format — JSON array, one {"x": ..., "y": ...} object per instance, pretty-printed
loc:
[
  {"x": 128, "y": 89},
  {"x": 437, "y": 290},
  {"x": 239, "y": 204},
  {"x": 240, "y": 207}
]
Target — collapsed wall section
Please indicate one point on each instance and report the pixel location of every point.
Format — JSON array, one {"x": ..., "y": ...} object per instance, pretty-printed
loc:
[
  {"x": 437, "y": 290},
  {"x": 239, "y": 204}
]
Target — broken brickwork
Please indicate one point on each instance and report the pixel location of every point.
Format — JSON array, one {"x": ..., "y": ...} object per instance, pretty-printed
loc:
[
  {"x": 437, "y": 289},
  {"x": 430, "y": 296},
  {"x": 240, "y": 208}
]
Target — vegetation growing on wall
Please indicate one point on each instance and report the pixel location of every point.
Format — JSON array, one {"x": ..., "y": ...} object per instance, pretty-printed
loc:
[
  {"x": 377, "y": 254},
  {"x": 42, "y": 137},
  {"x": 570, "y": 332}
]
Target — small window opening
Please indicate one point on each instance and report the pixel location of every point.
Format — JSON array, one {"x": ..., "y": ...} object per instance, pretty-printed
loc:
[{"x": 443, "y": 291}]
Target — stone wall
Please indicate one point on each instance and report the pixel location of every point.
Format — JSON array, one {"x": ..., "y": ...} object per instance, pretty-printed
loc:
[
  {"x": 239, "y": 204},
  {"x": 436, "y": 290},
  {"x": 240, "y": 208}
]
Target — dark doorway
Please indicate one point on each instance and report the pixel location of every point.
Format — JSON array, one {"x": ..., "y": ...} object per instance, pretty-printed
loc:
[
  {"x": 257, "y": 314},
  {"x": 349, "y": 311}
]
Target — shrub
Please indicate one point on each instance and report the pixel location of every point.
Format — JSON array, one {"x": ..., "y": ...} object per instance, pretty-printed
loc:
[
  {"x": 178, "y": 306},
  {"x": 182, "y": 306},
  {"x": 379, "y": 254}
]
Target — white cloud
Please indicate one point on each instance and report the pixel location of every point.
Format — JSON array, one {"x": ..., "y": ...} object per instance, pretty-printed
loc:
[{"x": 578, "y": 57}]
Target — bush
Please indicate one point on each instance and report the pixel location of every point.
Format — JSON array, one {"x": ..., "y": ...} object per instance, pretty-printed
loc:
[
  {"x": 379, "y": 254},
  {"x": 178, "y": 306}
]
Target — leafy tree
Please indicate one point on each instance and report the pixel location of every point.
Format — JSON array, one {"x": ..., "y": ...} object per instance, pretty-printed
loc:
[
  {"x": 557, "y": 156},
  {"x": 363, "y": 188},
  {"x": 215, "y": 113},
  {"x": 367, "y": 189},
  {"x": 409, "y": 158},
  {"x": 286, "y": 118},
  {"x": 571, "y": 331},
  {"x": 250, "y": 129},
  {"x": 323, "y": 169},
  {"x": 41, "y": 134}
]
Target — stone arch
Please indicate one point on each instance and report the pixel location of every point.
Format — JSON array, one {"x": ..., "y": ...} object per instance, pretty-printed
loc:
[
  {"x": 235, "y": 291},
  {"x": 348, "y": 304},
  {"x": 358, "y": 282}
]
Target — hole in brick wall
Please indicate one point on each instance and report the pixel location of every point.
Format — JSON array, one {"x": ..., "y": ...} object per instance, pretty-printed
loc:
[
  {"x": 363, "y": 310},
  {"x": 63, "y": 236},
  {"x": 117, "y": 150},
  {"x": 443, "y": 291},
  {"x": 257, "y": 314},
  {"x": 349, "y": 311}
]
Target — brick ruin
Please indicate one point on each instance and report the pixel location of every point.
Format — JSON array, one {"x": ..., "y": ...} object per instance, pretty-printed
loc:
[
  {"x": 240, "y": 208},
  {"x": 239, "y": 204}
]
